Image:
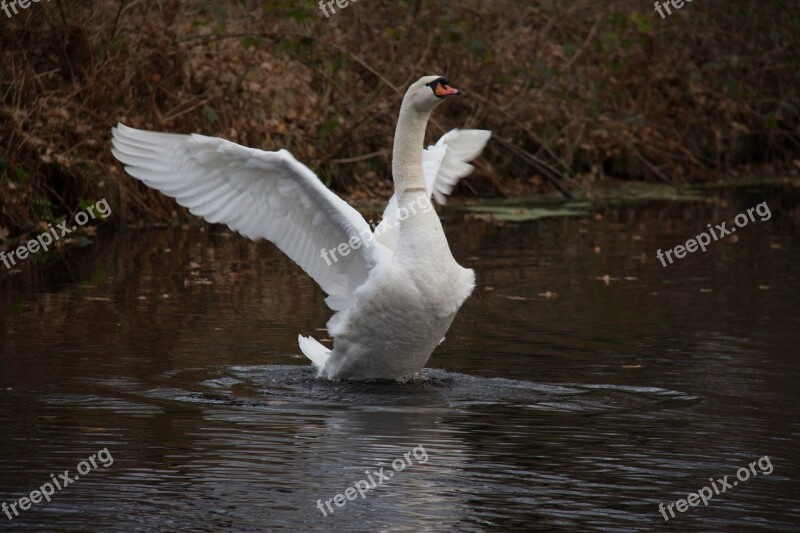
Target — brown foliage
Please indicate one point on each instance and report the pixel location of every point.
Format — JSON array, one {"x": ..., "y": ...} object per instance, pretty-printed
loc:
[{"x": 572, "y": 90}]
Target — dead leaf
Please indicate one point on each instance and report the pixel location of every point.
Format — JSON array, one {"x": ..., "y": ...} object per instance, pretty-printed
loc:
[{"x": 607, "y": 279}]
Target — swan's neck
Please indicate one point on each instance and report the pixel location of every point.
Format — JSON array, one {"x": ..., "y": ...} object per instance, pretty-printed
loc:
[
  {"x": 407, "y": 153},
  {"x": 421, "y": 242}
]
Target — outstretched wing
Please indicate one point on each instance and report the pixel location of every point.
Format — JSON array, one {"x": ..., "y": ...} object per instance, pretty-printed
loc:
[
  {"x": 443, "y": 164},
  {"x": 447, "y": 161},
  {"x": 260, "y": 194}
]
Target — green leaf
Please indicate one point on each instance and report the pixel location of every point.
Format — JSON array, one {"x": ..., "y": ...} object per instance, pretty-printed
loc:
[
  {"x": 544, "y": 70},
  {"x": 210, "y": 114},
  {"x": 570, "y": 48},
  {"x": 478, "y": 49},
  {"x": 327, "y": 128},
  {"x": 116, "y": 44},
  {"x": 642, "y": 22},
  {"x": 251, "y": 42},
  {"x": 339, "y": 62},
  {"x": 42, "y": 207},
  {"x": 22, "y": 176}
]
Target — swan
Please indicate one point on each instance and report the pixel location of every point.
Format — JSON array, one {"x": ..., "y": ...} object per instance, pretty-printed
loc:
[{"x": 395, "y": 290}]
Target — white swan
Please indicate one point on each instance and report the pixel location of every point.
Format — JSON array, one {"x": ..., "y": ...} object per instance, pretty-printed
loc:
[{"x": 395, "y": 291}]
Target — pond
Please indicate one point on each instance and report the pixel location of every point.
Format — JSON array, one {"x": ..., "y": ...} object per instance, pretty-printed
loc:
[{"x": 581, "y": 386}]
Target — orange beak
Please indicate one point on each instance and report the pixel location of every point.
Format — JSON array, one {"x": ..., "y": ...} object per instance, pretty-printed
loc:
[{"x": 443, "y": 90}]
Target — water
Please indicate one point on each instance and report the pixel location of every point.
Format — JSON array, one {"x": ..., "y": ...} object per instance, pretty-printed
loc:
[{"x": 175, "y": 350}]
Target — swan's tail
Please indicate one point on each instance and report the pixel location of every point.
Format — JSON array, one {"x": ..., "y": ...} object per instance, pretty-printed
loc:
[{"x": 315, "y": 351}]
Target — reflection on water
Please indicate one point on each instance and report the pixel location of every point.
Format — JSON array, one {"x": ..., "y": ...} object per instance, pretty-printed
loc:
[{"x": 581, "y": 385}]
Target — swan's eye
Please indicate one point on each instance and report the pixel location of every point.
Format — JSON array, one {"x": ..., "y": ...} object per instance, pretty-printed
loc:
[{"x": 442, "y": 88}]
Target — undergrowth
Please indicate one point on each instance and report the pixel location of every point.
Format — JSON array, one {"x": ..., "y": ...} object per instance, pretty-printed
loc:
[{"x": 573, "y": 91}]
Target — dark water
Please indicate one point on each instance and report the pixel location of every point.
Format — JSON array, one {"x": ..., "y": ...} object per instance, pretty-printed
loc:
[{"x": 175, "y": 350}]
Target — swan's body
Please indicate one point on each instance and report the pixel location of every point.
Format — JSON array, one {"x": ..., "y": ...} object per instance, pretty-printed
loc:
[{"x": 395, "y": 291}]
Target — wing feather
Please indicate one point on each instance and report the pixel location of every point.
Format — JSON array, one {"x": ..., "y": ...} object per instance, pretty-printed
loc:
[
  {"x": 259, "y": 194},
  {"x": 443, "y": 165}
]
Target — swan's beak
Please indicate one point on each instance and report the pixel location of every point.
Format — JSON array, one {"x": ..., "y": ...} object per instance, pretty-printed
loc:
[{"x": 443, "y": 90}]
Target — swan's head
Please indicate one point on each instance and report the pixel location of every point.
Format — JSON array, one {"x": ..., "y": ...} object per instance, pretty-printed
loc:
[{"x": 430, "y": 91}]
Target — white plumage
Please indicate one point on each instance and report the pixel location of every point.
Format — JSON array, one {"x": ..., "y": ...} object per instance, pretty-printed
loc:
[{"x": 395, "y": 292}]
